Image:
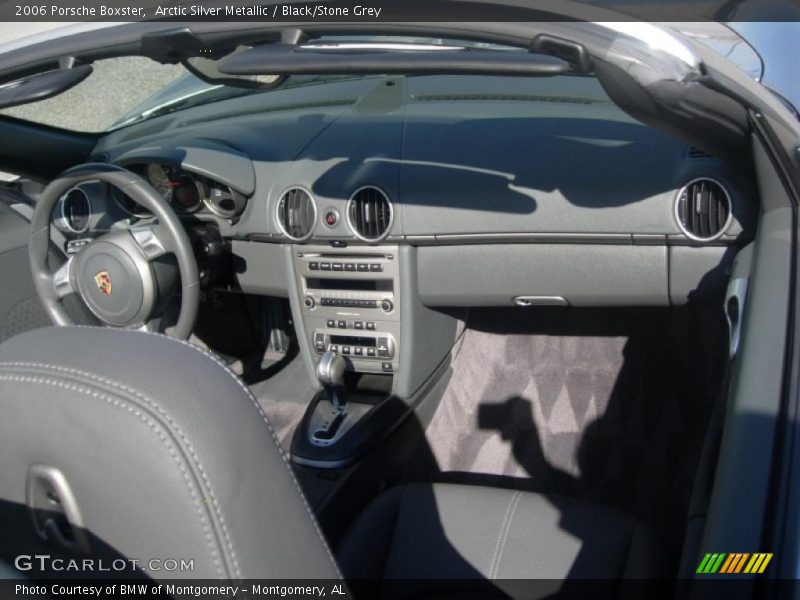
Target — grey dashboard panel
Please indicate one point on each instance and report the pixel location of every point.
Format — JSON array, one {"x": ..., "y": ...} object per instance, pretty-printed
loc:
[
  {"x": 457, "y": 156},
  {"x": 583, "y": 275},
  {"x": 544, "y": 183},
  {"x": 212, "y": 159},
  {"x": 260, "y": 268},
  {"x": 698, "y": 274}
]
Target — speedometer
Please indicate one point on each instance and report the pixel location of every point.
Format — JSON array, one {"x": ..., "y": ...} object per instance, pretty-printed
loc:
[{"x": 159, "y": 178}]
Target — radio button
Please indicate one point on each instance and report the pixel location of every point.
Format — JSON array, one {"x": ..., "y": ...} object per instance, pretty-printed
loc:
[
  {"x": 358, "y": 324},
  {"x": 376, "y": 267},
  {"x": 342, "y": 324},
  {"x": 326, "y": 266},
  {"x": 338, "y": 267},
  {"x": 345, "y": 349},
  {"x": 333, "y": 348},
  {"x": 331, "y": 323},
  {"x": 370, "y": 326},
  {"x": 363, "y": 267},
  {"x": 386, "y": 367},
  {"x": 370, "y": 351},
  {"x": 358, "y": 351},
  {"x": 349, "y": 266},
  {"x": 313, "y": 266}
]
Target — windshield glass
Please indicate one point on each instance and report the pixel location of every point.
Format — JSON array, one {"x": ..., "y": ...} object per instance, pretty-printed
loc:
[
  {"x": 123, "y": 91},
  {"x": 116, "y": 86}
]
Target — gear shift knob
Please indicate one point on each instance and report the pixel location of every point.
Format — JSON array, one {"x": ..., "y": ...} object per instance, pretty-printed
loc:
[{"x": 330, "y": 370}]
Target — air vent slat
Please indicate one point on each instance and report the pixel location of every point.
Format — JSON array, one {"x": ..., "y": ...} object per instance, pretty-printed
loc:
[
  {"x": 297, "y": 214},
  {"x": 370, "y": 214},
  {"x": 703, "y": 209}
]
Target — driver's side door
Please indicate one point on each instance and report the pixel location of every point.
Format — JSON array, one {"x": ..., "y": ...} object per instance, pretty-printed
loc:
[{"x": 20, "y": 308}]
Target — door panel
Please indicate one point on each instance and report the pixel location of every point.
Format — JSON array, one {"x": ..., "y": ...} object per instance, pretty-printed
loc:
[{"x": 20, "y": 308}]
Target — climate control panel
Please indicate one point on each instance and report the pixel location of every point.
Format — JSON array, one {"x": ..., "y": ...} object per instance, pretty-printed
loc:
[{"x": 350, "y": 303}]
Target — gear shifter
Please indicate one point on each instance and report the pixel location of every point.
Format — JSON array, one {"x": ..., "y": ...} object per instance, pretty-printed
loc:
[{"x": 330, "y": 372}]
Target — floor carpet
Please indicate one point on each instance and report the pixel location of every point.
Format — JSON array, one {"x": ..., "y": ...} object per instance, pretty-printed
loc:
[{"x": 610, "y": 405}]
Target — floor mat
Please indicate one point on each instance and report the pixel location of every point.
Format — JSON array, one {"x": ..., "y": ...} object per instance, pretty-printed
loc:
[{"x": 610, "y": 405}]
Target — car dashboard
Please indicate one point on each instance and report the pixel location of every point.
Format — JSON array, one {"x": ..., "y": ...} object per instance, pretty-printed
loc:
[{"x": 369, "y": 201}]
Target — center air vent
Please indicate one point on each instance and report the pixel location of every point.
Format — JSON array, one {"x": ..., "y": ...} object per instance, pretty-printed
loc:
[
  {"x": 369, "y": 214},
  {"x": 297, "y": 214},
  {"x": 703, "y": 209}
]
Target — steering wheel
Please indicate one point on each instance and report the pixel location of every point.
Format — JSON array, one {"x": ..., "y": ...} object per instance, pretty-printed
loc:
[{"x": 114, "y": 274}]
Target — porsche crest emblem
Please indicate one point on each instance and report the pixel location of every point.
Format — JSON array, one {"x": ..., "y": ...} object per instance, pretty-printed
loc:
[{"x": 103, "y": 281}]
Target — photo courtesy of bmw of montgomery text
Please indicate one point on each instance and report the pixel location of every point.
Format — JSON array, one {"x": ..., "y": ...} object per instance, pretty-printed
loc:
[{"x": 429, "y": 307}]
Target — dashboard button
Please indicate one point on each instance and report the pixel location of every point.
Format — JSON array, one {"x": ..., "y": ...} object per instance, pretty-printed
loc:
[
  {"x": 370, "y": 351},
  {"x": 349, "y": 266},
  {"x": 333, "y": 348},
  {"x": 386, "y": 367},
  {"x": 326, "y": 266},
  {"x": 338, "y": 267},
  {"x": 370, "y": 326},
  {"x": 342, "y": 324},
  {"x": 358, "y": 324},
  {"x": 376, "y": 267},
  {"x": 331, "y": 322},
  {"x": 363, "y": 267},
  {"x": 358, "y": 351},
  {"x": 313, "y": 266},
  {"x": 345, "y": 349}
]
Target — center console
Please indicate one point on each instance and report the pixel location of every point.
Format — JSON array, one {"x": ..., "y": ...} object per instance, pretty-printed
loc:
[
  {"x": 358, "y": 315},
  {"x": 351, "y": 304}
]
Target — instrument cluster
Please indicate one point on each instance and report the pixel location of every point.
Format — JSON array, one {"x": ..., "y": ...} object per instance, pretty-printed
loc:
[{"x": 185, "y": 191}]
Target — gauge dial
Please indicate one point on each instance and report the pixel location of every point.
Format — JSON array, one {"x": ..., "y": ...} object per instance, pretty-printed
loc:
[
  {"x": 187, "y": 192},
  {"x": 160, "y": 178}
]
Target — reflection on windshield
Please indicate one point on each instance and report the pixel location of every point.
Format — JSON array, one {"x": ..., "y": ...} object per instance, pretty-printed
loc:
[{"x": 191, "y": 92}]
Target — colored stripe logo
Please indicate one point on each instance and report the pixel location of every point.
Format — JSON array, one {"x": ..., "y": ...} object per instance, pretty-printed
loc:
[{"x": 734, "y": 563}]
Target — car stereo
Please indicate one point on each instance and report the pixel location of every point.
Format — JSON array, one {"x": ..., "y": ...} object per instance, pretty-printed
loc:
[{"x": 351, "y": 303}]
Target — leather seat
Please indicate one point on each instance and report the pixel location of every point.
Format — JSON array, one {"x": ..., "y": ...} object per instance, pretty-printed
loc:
[
  {"x": 153, "y": 448},
  {"x": 425, "y": 531}
]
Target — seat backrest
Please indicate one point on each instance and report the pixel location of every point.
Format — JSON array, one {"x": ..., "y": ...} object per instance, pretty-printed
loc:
[{"x": 125, "y": 444}]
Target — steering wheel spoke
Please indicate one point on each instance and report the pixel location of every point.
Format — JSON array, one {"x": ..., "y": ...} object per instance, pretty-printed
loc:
[
  {"x": 113, "y": 275},
  {"x": 152, "y": 240},
  {"x": 62, "y": 279}
]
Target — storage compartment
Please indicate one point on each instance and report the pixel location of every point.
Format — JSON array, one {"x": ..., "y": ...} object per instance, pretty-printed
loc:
[{"x": 581, "y": 274}]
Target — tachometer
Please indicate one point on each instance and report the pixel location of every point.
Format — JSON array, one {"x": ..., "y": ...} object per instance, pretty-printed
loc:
[{"x": 160, "y": 178}]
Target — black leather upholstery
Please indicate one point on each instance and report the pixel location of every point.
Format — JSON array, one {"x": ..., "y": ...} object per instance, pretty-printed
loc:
[
  {"x": 166, "y": 451},
  {"x": 424, "y": 531}
]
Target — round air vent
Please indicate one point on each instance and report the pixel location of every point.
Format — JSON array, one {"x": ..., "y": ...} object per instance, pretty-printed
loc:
[
  {"x": 369, "y": 214},
  {"x": 76, "y": 210},
  {"x": 703, "y": 209},
  {"x": 297, "y": 214}
]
